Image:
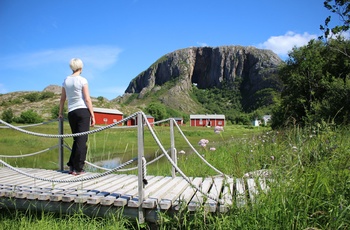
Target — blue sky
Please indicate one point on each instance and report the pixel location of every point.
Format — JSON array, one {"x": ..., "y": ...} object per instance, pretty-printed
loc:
[{"x": 118, "y": 39}]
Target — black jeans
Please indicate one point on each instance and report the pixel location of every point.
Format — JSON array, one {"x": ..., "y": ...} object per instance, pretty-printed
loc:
[{"x": 79, "y": 121}]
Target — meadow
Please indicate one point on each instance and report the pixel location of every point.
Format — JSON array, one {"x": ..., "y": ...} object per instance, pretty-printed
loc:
[{"x": 310, "y": 167}]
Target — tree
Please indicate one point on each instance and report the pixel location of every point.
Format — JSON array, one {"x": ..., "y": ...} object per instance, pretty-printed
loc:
[
  {"x": 342, "y": 9},
  {"x": 316, "y": 86},
  {"x": 156, "y": 110}
]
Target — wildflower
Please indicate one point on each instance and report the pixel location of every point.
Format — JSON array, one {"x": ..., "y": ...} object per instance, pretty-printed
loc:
[
  {"x": 212, "y": 149},
  {"x": 218, "y": 129},
  {"x": 203, "y": 142}
]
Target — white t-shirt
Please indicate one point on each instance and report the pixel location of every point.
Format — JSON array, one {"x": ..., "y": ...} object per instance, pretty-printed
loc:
[{"x": 74, "y": 91}]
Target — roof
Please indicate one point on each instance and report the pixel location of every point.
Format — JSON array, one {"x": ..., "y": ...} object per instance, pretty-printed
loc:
[
  {"x": 104, "y": 110},
  {"x": 207, "y": 116}
]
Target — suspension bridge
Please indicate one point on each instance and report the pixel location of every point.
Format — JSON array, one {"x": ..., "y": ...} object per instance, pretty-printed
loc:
[{"x": 138, "y": 196}]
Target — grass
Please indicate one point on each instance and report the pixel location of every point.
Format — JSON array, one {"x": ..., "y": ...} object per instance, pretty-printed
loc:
[{"x": 310, "y": 187}]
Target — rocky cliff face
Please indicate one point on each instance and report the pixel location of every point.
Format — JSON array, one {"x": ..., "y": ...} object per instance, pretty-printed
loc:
[{"x": 247, "y": 69}]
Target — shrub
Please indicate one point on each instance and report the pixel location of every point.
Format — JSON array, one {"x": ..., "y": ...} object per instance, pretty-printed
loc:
[
  {"x": 55, "y": 111},
  {"x": 45, "y": 95},
  {"x": 7, "y": 116},
  {"x": 29, "y": 117}
]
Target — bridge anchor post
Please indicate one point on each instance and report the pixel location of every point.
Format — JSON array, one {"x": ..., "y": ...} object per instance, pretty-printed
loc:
[
  {"x": 140, "y": 140},
  {"x": 60, "y": 144}
]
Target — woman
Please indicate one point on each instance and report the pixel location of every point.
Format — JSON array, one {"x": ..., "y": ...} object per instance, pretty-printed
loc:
[{"x": 80, "y": 114}]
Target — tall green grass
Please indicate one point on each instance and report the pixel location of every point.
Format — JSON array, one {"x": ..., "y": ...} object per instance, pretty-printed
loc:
[{"x": 309, "y": 187}]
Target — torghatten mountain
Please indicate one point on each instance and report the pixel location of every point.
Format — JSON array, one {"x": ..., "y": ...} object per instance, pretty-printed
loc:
[{"x": 245, "y": 69}]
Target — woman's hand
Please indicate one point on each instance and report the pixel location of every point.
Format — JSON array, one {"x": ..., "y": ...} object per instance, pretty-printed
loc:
[{"x": 92, "y": 120}]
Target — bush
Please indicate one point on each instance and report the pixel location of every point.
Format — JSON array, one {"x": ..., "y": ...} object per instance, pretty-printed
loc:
[
  {"x": 55, "y": 111},
  {"x": 29, "y": 117},
  {"x": 7, "y": 116},
  {"x": 32, "y": 97},
  {"x": 45, "y": 95}
]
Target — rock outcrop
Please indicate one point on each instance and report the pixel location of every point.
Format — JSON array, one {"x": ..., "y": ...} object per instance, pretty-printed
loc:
[{"x": 247, "y": 69}]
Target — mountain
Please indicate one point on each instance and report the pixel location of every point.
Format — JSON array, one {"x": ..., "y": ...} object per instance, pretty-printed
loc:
[{"x": 247, "y": 71}]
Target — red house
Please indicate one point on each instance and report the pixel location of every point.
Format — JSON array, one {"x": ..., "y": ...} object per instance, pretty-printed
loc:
[
  {"x": 179, "y": 120},
  {"x": 207, "y": 120},
  {"x": 133, "y": 121},
  {"x": 107, "y": 116}
]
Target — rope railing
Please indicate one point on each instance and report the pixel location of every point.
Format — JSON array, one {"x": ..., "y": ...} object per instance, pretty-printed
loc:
[
  {"x": 29, "y": 154},
  {"x": 197, "y": 153},
  {"x": 85, "y": 178},
  {"x": 68, "y": 135},
  {"x": 174, "y": 165},
  {"x": 124, "y": 170},
  {"x": 31, "y": 125}
]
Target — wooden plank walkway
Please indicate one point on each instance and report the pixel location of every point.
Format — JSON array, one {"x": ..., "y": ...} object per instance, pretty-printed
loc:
[{"x": 119, "y": 192}]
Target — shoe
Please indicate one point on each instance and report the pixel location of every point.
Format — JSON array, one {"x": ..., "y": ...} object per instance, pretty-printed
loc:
[
  {"x": 75, "y": 173},
  {"x": 71, "y": 170}
]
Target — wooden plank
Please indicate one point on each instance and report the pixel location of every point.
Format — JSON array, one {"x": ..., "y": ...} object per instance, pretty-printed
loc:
[
  {"x": 252, "y": 189},
  {"x": 95, "y": 199},
  {"x": 198, "y": 198},
  {"x": 187, "y": 195},
  {"x": 263, "y": 185},
  {"x": 107, "y": 188},
  {"x": 215, "y": 191},
  {"x": 227, "y": 196},
  {"x": 151, "y": 188},
  {"x": 130, "y": 182},
  {"x": 127, "y": 195},
  {"x": 154, "y": 198},
  {"x": 108, "y": 182},
  {"x": 57, "y": 194},
  {"x": 69, "y": 197},
  {"x": 108, "y": 200},
  {"x": 241, "y": 199},
  {"x": 171, "y": 196},
  {"x": 83, "y": 197}
]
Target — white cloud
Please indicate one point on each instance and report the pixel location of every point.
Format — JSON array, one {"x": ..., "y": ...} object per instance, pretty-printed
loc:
[
  {"x": 3, "y": 89},
  {"x": 99, "y": 57},
  {"x": 283, "y": 44},
  {"x": 202, "y": 44}
]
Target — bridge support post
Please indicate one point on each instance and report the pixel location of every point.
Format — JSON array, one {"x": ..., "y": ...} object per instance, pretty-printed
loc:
[
  {"x": 172, "y": 147},
  {"x": 140, "y": 142},
  {"x": 60, "y": 144}
]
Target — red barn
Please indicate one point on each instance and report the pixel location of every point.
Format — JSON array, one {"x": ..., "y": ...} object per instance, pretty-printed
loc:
[
  {"x": 133, "y": 121},
  {"x": 179, "y": 120},
  {"x": 207, "y": 120},
  {"x": 107, "y": 116}
]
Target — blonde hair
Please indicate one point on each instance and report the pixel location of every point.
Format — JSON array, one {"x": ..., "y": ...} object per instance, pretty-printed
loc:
[{"x": 75, "y": 64}]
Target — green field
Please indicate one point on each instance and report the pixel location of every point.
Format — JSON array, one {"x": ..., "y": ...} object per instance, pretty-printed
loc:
[{"x": 310, "y": 187}]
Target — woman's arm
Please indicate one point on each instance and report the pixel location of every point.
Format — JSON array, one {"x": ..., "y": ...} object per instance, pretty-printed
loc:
[
  {"x": 89, "y": 103},
  {"x": 62, "y": 101}
]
